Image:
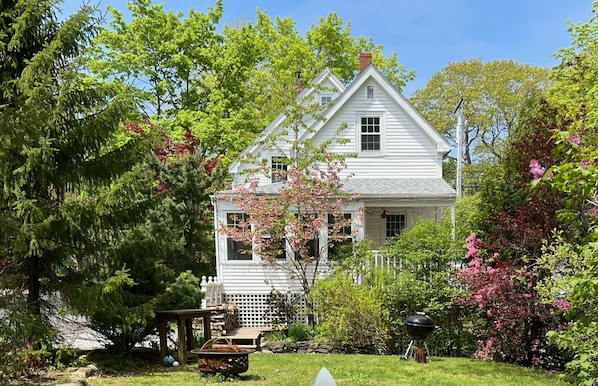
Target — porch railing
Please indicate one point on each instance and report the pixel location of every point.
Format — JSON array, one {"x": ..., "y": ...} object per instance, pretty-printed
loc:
[{"x": 213, "y": 290}]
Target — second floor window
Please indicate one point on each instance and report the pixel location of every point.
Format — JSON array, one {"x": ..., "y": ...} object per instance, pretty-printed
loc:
[
  {"x": 370, "y": 133},
  {"x": 279, "y": 169}
]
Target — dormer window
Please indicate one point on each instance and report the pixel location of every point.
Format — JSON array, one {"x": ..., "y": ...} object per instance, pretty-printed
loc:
[
  {"x": 278, "y": 168},
  {"x": 325, "y": 99}
]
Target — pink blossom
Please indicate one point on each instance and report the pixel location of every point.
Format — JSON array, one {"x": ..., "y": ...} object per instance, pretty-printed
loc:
[
  {"x": 585, "y": 164},
  {"x": 576, "y": 139},
  {"x": 536, "y": 169},
  {"x": 563, "y": 305}
]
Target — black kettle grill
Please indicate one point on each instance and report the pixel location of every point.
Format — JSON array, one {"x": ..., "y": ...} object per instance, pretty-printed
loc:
[{"x": 418, "y": 327}]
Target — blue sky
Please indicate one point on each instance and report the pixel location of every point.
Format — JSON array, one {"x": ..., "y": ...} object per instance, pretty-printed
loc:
[{"x": 426, "y": 34}]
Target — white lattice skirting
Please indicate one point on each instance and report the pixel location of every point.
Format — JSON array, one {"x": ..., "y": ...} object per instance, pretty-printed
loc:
[{"x": 254, "y": 310}]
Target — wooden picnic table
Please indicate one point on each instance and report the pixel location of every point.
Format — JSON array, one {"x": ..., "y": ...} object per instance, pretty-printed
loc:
[{"x": 184, "y": 319}]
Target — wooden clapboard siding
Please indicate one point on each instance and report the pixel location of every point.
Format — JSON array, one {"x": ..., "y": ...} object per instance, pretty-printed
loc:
[{"x": 408, "y": 151}]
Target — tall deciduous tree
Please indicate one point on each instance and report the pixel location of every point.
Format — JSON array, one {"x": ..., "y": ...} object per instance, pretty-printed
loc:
[
  {"x": 57, "y": 140},
  {"x": 225, "y": 87},
  {"x": 158, "y": 56},
  {"x": 493, "y": 93}
]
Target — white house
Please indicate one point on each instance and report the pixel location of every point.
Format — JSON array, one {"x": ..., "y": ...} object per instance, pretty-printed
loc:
[{"x": 397, "y": 173}]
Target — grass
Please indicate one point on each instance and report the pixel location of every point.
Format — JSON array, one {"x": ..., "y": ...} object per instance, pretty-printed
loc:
[{"x": 300, "y": 369}]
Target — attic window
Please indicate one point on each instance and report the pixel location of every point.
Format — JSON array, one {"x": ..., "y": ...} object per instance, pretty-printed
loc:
[
  {"x": 370, "y": 92},
  {"x": 325, "y": 99}
]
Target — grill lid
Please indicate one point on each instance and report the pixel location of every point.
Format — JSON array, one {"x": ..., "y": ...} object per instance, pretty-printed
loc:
[{"x": 419, "y": 320}]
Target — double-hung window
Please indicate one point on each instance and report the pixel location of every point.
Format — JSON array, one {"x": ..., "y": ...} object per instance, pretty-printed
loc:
[
  {"x": 278, "y": 248},
  {"x": 370, "y": 130},
  {"x": 237, "y": 250},
  {"x": 278, "y": 168}
]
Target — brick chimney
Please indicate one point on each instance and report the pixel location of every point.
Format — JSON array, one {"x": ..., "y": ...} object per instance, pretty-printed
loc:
[{"x": 365, "y": 59}]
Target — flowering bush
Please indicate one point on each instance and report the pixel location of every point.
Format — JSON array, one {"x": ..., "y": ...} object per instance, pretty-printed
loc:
[{"x": 512, "y": 320}]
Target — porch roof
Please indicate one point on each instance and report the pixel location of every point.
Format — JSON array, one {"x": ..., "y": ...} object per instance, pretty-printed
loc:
[
  {"x": 400, "y": 188},
  {"x": 385, "y": 188}
]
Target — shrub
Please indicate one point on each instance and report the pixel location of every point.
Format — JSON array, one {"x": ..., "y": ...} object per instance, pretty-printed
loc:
[
  {"x": 426, "y": 255},
  {"x": 299, "y": 331},
  {"x": 183, "y": 293},
  {"x": 23, "y": 341},
  {"x": 348, "y": 313}
]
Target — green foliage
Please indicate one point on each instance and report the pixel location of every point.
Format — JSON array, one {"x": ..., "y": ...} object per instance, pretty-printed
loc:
[
  {"x": 299, "y": 331},
  {"x": 275, "y": 336},
  {"x": 116, "y": 308},
  {"x": 224, "y": 87},
  {"x": 65, "y": 357},
  {"x": 58, "y": 130},
  {"x": 425, "y": 256},
  {"x": 183, "y": 293},
  {"x": 573, "y": 282},
  {"x": 20, "y": 355},
  {"x": 348, "y": 313},
  {"x": 468, "y": 218}
]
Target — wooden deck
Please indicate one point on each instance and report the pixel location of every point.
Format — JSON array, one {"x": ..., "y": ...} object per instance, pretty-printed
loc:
[{"x": 247, "y": 337}]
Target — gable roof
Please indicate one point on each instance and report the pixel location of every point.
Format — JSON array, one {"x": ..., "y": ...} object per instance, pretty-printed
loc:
[
  {"x": 276, "y": 123},
  {"x": 371, "y": 71}
]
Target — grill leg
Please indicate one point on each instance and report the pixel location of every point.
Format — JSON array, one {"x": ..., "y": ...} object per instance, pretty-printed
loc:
[{"x": 408, "y": 349}]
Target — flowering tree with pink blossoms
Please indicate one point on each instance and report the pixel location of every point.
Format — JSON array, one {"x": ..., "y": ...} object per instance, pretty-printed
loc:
[
  {"x": 501, "y": 258},
  {"x": 513, "y": 319},
  {"x": 284, "y": 227}
]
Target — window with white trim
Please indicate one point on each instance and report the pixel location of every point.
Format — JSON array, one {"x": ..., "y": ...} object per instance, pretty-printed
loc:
[
  {"x": 278, "y": 248},
  {"x": 325, "y": 99},
  {"x": 278, "y": 167},
  {"x": 346, "y": 235},
  {"x": 395, "y": 223},
  {"x": 370, "y": 132},
  {"x": 370, "y": 92},
  {"x": 237, "y": 250}
]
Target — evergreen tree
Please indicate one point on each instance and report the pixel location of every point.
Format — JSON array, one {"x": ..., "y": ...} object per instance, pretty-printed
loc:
[{"x": 59, "y": 144}]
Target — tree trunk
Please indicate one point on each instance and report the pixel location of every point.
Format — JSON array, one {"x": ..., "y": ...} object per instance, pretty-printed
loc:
[{"x": 33, "y": 286}]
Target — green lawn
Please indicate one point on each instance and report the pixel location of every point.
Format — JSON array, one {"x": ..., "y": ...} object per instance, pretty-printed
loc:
[{"x": 361, "y": 370}]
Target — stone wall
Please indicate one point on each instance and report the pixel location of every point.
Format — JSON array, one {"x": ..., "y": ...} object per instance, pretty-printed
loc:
[{"x": 313, "y": 347}]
